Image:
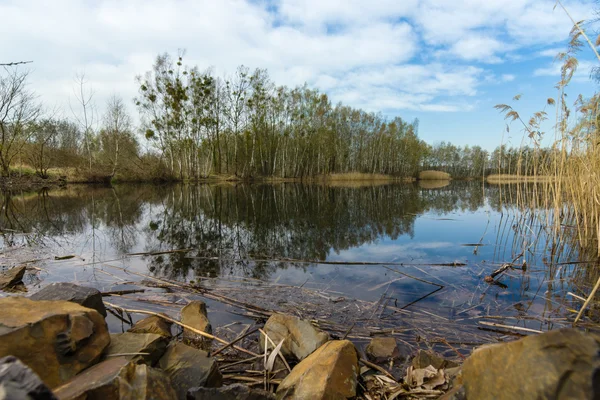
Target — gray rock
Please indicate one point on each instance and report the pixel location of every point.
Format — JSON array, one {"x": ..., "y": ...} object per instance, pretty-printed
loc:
[
  {"x": 153, "y": 324},
  {"x": 17, "y": 381},
  {"x": 135, "y": 343},
  {"x": 118, "y": 379},
  {"x": 12, "y": 280},
  {"x": 195, "y": 315},
  {"x": 85, "y": 296},
  {"x": 236, "y": 391},
  {"x": 560, "y": 364},
  {"x": 301, "y": 337},
  {"x": 188, "y": 367}
]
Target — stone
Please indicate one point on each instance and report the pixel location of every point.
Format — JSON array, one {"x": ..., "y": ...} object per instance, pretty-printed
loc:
[
  {"x": 12, "y": 280},
  {"x": 56, "y": 339},
  {"x": 195, "y": 315},
  {"x": 236, "y": 391},
  {"x": 425, "y": 358},
  {"x": 17, "y": 381},
  {"x": 84, "y": 296},
  {"x": 560, "y": 364},
  {"x": 382, "y": 349},
  {"x": 153, "y": 324},
  {"x": 301, "y": 337},
  {"x": 116, "y": 379},
  {"x": 331, "y": 372},
  {"x": 134, "y": 343},
  {"x": 188, "y": 367}
]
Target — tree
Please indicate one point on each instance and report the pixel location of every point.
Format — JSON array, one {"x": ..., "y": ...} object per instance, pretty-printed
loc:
[
  {"x": 18, "y": 111},
  {"x": 116, "y": 132}
]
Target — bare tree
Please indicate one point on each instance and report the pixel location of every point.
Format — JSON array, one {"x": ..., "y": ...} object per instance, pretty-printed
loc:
[
  {"x": 117, "y": 128},
  {"x": 18, "y": 110},
  {"x": 86, "y": 116}
]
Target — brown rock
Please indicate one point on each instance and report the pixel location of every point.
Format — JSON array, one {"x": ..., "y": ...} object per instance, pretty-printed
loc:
[
  {"x": 382, "y": 349},
  {"x": 301, "y": 337},
  {"x": 118, "y": 379},
  {"x": 82, "y": 295},
  {"x": 196, "y": 316},
  {"x": 153, "y": 324},
  {"x": 561, "y": 364},
  {"x": 188, "y": 367},
  {"x": 12, "y": 280},
  {"x": 56, "y": 339},
  {"x": 154, "y": 346},
  {"x": 330, "y": 372},
  {"x": 425, "y": 358}
]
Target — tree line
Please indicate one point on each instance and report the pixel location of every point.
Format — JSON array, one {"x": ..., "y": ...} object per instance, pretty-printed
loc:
[{"x": 198, "y": 125}]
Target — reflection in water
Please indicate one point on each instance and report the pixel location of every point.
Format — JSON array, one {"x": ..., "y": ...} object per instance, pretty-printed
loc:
[{"x": 257, "y": 231}]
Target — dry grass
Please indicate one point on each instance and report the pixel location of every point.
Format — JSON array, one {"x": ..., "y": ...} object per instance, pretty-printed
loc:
[
  {"x": 432, "y": 175},
  {"x": 510, "y": 178}
]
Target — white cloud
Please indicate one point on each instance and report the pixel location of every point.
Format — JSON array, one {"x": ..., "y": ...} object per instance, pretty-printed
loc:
[
  {"x": 389, "y": 55},
  {"x": 581, "y": 74}
]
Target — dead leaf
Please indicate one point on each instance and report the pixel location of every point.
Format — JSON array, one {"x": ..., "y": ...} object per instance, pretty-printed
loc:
[{"x": 271, "y": 360}]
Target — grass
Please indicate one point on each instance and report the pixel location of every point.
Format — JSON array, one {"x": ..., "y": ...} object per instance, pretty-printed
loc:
[
  {"x": 432, "y": 175},
  {"x": 515, "y": 178}
]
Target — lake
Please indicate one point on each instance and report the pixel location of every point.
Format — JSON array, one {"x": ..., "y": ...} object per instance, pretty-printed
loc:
[{"x": 404, "y": 259}]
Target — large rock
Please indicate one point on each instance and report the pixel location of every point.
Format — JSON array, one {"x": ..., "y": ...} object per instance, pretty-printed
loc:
[
  {"x": 12, "y": 280},
  {"x": 195, "y": 315},
  {"x": 330, "y": 372},
  {"x": 153, "y": 324},
  {"x": 561, "y": 364},
  {"x": 56, "y": 339},
  {"x": 145, "y": 347},
  {"x": 383, "y": 349},
  {"x": 236, "y": 391},
  {"x": 301, "y": 337},
  {"x": 188, "y": 367},
  {"x": 85, "y": 296},
  {"x": 17, "y": 381},
  {"x": 118, "y": 379}
]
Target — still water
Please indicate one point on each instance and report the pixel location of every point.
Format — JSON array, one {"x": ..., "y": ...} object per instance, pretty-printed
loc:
[{"x": 434, "y": 246}]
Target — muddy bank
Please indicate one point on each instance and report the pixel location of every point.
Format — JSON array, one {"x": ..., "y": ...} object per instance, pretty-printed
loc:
[{"x": 29, "y": 183}]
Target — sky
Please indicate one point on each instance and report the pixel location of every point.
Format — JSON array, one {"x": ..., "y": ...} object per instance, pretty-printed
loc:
[{"x": 445, "y": 62}]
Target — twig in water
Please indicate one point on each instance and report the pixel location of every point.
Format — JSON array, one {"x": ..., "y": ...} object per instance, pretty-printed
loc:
[
  {"x": 242, "y": 336},
  {"x": 190, "y": 328},
  {"x": 587, "y": 302},
  {"x": 516, "y": 328},
  {"x": 377, "y": 368}
]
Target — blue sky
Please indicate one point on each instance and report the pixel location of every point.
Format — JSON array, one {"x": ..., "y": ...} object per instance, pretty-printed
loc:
[{"x": 446, "y": 62}]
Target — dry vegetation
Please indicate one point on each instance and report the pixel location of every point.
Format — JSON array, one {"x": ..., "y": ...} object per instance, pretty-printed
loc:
[{"x": 434, "y": 176}]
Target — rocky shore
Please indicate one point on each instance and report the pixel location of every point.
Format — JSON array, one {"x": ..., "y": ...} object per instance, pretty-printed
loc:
[{"x": 55, "y": 344}]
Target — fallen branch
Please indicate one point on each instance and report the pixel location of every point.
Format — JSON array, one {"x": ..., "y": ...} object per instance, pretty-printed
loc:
[
  {"x": 234, "y": 341},
  {"x": 377, "y": 368},
  {"x": 190, "y": 328},
  {"x": 516, "y": 328},
  {"x": 587, "y": 302}
]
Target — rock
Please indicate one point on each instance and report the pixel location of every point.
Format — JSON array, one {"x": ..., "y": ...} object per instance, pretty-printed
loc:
[
  {"x": 188, "y": 367},
  {"x": 383, "y": 349},
  {"x": 236, "y": 391},
  {"x": 17, "y": 381},
  {"x": 153, "y": 324},
  {"x": 330, "y": 372},
  {"x": 116, "y": 379},
  {"x": 424, "y": 358},
  {"x": 132, "y": 343},
  {"x": 56, "y": 339},
  {"x": 85, "y": 296},
  {"x": 560, "y": 364},
  {"x": 196, "y": 316},
  {"x": 12, "y": 280},
  {"x": 301, "y": 337}
]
